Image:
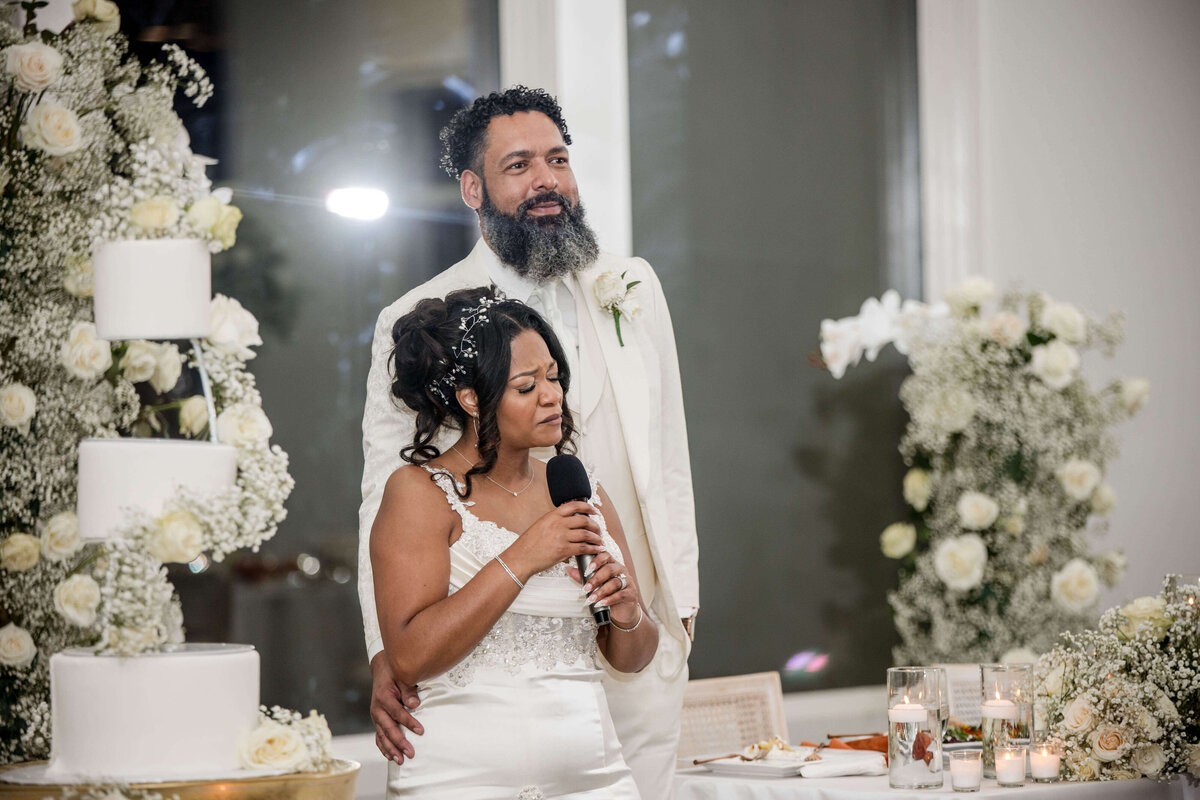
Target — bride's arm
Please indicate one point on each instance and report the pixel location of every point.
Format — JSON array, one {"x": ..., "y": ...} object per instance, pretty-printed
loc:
[
  {"x": 626, "y": 650},
  {"x": 425, "y": 630}
]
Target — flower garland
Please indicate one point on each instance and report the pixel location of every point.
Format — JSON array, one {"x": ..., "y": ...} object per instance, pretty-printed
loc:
[
  {"x": 91, "y": 150},
  {"x": 1007, "y": 446}
]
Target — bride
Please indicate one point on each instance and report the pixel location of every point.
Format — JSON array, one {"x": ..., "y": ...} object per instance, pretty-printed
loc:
[{"x": 475, "y": 596}]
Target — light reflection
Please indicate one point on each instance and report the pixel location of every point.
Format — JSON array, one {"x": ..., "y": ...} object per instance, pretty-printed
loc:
[
  {"x": 809, "y": 661},
  {"x": 199, "y": 564},
  {"x": 357, "y": 202},
  {"x": 309, "y": 565}
]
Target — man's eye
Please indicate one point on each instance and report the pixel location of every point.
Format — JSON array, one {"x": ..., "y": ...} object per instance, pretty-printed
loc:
[{"x": 516, "y": 165}]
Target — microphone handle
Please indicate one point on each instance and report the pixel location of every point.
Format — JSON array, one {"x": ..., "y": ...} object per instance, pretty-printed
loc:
[{"x": 601, "y": 614}]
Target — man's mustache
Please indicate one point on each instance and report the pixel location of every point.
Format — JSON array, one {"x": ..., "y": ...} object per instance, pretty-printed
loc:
[{"x": 544, "y": 197}]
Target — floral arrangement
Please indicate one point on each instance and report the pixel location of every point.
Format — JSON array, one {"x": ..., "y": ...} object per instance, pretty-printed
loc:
[
  {"x": 1007, "y": 445},
  {"x": 285, "y": 740},
  {"x": 91, "y": 151},
  {"x": 1123, "y": 700}
]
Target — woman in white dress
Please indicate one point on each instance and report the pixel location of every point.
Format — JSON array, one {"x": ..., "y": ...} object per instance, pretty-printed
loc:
[{"x": 477, "y": 602}]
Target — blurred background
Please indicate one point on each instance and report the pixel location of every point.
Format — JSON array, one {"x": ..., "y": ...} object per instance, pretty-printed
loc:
[{"x": 777, "y": 166}]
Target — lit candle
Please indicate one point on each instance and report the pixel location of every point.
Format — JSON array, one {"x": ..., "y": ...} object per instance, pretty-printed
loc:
[
  {"x": 1044, "y": 763},
  {"x": 999, "y": 709},
  {"x": 966, "y": 771},
  {"x": 907, "y": 712},
  {"x": 1010, "y": 766}
]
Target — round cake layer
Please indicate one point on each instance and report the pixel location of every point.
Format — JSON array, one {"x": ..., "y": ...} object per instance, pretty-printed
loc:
[
  {"x": 115, "y": 474},
  {"x": 152, "y": 289},
  {"x": 177, "y": 714}
]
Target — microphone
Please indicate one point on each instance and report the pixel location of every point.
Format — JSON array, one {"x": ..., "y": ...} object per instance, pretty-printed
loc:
[{"x": 567, "y": 480}]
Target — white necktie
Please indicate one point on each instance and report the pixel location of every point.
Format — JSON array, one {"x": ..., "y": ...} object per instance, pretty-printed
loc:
[{"x": 547, "y": 295}]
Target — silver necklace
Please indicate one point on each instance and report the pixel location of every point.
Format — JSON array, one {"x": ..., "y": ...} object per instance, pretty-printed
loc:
[{"x": 493, "y": 480}]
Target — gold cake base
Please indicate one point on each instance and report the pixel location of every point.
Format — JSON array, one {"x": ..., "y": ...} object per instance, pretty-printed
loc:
[{"x": 336, "y": 783}]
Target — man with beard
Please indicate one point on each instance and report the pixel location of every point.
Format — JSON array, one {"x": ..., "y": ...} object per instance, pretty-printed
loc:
[{"x": 509, "y": 153}]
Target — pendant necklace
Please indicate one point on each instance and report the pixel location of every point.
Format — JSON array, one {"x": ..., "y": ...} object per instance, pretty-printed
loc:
[{"x": 493, "y": 480}]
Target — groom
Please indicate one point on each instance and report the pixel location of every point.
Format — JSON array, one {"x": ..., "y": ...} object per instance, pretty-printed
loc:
[{"x": 509, "y": 153}]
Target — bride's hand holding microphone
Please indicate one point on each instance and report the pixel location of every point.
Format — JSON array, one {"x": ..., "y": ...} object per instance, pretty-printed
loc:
[{"x": 557, "y": 536}]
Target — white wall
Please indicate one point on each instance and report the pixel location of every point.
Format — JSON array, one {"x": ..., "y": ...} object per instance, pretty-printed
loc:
[{"x": 1088, "y": 181}]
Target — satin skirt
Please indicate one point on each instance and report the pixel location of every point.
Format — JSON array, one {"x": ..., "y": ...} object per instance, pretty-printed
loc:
[{"x": 530, "y": 735}]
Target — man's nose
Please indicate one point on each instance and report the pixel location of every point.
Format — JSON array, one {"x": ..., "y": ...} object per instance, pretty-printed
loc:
[{"x": 544, "y": 179}]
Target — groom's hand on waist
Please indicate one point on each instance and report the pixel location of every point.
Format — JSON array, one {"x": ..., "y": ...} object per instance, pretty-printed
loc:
[{"x": 390, "y": 705}]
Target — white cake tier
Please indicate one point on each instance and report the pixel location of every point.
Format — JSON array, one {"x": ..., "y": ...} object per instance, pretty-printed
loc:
[
  {"x": 179, "y": 714},
  {"x": 115, "y": 474},
  {"x": 152, "y": 289}
]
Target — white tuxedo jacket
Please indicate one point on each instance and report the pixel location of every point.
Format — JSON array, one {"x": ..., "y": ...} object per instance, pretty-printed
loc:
[{"x": 644, "y": 380}]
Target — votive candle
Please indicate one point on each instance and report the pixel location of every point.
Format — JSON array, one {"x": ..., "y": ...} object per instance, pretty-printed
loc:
[
  {"x": 1044, "y": 762},
  {"x": 1010, "y": 766},
  {"x": 999, "y": 709},
  {"x": 966, "y": 770},
  {"x": 907, "y": 712}
]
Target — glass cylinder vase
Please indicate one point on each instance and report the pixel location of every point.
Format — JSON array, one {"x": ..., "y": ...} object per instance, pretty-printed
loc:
[
  {"x": 914, "y": 727},
  {"x": 1006, "y": 710}
]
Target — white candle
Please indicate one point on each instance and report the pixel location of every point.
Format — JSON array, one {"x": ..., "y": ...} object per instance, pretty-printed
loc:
[
  {"x": 999, "y": 709},
  {"x": 1044, "y": 763},
  {"x": 966, "y": 773},
  {"x": 1010, "y": 766},
  {"x": 907, "y": 712}
]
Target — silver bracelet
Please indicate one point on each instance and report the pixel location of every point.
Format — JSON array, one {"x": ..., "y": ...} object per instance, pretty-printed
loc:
[
  {"x": 515, "y": 578},
  {"x": 635, "y": 625}
]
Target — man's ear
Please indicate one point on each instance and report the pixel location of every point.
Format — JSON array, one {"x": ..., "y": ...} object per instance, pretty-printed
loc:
[
  {"x": 471, "y": 186},
  {"x": 469, "y": 401}
]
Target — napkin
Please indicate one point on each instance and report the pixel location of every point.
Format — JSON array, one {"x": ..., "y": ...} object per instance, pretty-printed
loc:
[{"x": 843, "y": 765}]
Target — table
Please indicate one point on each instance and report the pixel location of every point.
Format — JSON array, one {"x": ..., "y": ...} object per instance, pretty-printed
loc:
[{"x": 699, "y": 784}]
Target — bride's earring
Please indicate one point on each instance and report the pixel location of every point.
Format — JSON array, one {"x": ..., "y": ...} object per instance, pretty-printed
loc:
[{"x": 475, "y": 422}]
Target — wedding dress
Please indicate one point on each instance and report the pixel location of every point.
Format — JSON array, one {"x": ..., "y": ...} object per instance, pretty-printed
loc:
[{"x": 524, "y": 714}]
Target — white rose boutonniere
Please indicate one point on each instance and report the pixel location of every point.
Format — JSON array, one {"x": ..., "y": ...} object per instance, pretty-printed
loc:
[
  {"x": 33, "y": 65},
  {"x": 77, "y": 599},
  {"x": 16, "y": 647},
  {"x": 613, "y": 295},
  {"x": 17, "y": 406}
]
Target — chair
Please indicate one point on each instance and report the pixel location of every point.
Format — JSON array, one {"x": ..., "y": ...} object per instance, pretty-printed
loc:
[{"x": 723, "y": 715}]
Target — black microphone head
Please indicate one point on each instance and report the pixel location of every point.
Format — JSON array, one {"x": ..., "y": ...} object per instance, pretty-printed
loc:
[{"x": 567, "y": 479}]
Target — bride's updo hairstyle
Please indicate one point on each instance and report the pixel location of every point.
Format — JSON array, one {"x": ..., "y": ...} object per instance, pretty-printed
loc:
[{"x": 464, "y": 342}]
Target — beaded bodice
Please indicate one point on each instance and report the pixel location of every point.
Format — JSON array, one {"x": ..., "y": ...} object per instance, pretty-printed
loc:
[{"x": 557, "y": 635}]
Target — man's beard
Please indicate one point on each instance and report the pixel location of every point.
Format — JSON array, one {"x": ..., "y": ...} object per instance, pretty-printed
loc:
[{"x": 540, "y": 247}]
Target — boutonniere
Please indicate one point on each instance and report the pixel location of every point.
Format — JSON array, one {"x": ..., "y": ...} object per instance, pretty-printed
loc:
[{"x": 614, "y": 296}]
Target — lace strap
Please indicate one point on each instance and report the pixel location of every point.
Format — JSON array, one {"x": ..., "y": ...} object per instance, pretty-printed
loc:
[{"x": 446, "y": 481}]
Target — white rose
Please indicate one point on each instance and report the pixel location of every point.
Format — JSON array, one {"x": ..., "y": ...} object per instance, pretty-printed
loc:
[
  {"x": 177, "y": 537},
  {"x": 19, "y": 552},
  {"x": 1013, "y": 524},
  {"x": 969, "y": 295},
  {"x": 1109, "y": 742},
  {"x": 1149, "y": 759},
  {"x": 609, "y": 289},
  {"x": 85, "y": 356},
  {"x": 977, "y": 511},
  {"x": 1135, "y": 392},
  {"x": 1055, "y": 364},
  {"x": 16, "y": 647},
  {"x": 1065, "y": 321},
  {"x": 1019, "y": 655},
  {"x": 17, "y": 406},
  {"x": 34, "y": 66},
  {"x": 1079, "y": 478},
  {"x": 52, "y": 128},
  {"x": 193, "y": 415},
  {"x": 897, "y": 540},
  {"x": 77, "y": 599},
  {"x": 1149, "y": 725},
  {"x": 225, "y": 230},
  {"x": 1076, "y": 586},
  {"x": 841, "y": 345},
  {"x": 139, "y": 361},
  {"x": 103, "y": 12},
  {"x": 1080, "y": 715},
  {"x": 233, "y": 329},
  {"x": 1194, "y": 759},
  {"x": 1052, "y": 684},
  {"x": 1085, "y": 768},
  {"x": 60, "y": 537},
  {"x": 272, "y": 746},
  {"x": 918, "y": 488},
  {"x": 243, "y": 425},
  {"x": 77, "y": 279},
  {"x": 168, "y": 365},
  {"x": 1112, "y": 567},
  {"x": 1007, "y": 328},
  {"x": 952, "y": 409},
  {"x": 1145, "y": 615},
  {"x": 155, "y": 213},
  {"x": 959, "y": 561},
  {"x": 205, "y": 213},
  {"x": 1163, "y": 703},
  {"x": 1104, "y": 499}
]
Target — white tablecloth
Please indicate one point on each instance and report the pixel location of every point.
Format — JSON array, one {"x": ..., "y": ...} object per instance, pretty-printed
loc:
[{"x": 699, "y": 784}]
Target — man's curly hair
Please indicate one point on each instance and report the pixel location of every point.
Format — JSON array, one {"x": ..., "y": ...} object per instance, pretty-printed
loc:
[{"x": 463, "y": 138}]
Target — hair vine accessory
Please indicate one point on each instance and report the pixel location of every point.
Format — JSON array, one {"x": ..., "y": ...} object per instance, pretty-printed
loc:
[{"x": 465, "y": 352}]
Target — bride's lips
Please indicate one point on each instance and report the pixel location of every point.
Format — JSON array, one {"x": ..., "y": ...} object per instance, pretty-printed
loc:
[{"x": 555, "y": 420}]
